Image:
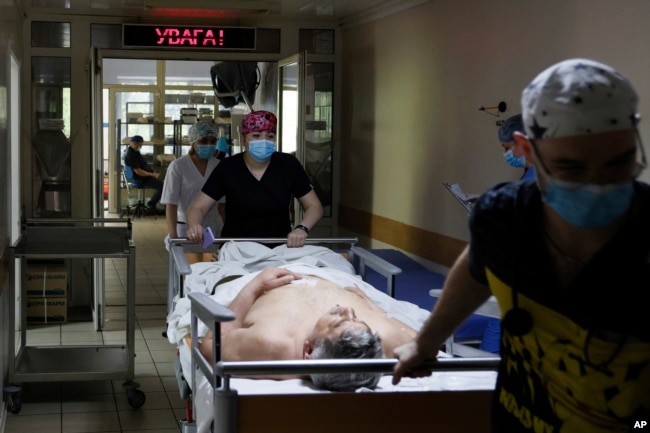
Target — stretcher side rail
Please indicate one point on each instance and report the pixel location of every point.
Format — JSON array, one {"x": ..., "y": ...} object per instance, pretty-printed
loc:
[
  {"x": 324, "y": 366},
  {"x": 384, "y": 268},
  {"x": 489, "y": 308},
  {"x": 224, "y": 398},
  {"x": 218, "y": 374}
]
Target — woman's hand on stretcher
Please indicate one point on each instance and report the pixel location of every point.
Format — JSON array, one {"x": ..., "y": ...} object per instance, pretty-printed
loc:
[
  {"x": 410, "y": 356},
  {"x": 195, "y": 233}
]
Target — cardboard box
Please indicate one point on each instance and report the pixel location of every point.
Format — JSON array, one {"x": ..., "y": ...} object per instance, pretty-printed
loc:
[
  {"x": 46, "y": 310},
  {"x": 46, "y": 281}
]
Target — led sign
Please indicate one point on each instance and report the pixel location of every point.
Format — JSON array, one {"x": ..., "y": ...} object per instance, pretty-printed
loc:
[{"x": 194, "y": 37}]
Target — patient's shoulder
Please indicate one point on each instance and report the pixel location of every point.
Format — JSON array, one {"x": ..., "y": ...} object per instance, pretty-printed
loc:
[
  {"x": 258, "y": 343},
  {"x": 357, "y": 291}
]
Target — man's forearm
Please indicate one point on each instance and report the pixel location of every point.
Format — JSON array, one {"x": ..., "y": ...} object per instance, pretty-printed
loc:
[{"x": 144, "y": 173}]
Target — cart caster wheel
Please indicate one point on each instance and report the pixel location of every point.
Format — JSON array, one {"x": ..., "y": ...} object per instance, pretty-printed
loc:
[
  {"x": 15, "y": 403},
  {"x": 136, "y": 398}
]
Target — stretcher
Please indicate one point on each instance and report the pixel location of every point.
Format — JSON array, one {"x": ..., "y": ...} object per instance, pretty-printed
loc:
[{"x": 221, "y": 401}]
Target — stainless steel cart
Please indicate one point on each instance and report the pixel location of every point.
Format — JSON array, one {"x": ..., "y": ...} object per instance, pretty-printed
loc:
[{"x": 70, "y": 239}]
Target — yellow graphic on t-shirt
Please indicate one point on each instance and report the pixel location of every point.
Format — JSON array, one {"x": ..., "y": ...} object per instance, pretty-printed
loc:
[{"x": 565, "y": 379}]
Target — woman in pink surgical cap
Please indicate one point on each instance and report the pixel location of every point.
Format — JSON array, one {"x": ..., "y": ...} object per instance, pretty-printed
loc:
[{"x": 258, "y": 185}]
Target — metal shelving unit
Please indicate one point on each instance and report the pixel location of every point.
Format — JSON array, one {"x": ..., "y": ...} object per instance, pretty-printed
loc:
[{"x": 69, "y": 239}]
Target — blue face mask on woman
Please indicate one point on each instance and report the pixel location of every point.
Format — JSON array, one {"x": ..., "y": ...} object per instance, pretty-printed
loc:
[
  {"x": 205, "y": 151},
  {"x": 261, "y": 150},
  {"x": 511, "y": 159},
  {"x": 587, "y": 205},
  {"x": 222, "y": 145}
]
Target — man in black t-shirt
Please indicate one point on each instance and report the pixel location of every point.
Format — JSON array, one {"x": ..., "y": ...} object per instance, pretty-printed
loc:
[{"x": 566, "y": 256}]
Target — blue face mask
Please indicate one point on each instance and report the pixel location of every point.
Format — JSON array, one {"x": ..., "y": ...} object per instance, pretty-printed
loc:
[
  {"x": 261, "y": 150},
  {"x": 511, "y": 159},
  {"x": 205, "y": 151},
  {"x": 588, "y": 205},
  {"x": 222, "y": 145}
]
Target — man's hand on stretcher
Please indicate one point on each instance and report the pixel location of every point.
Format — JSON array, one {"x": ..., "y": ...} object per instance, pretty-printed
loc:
[{"x": 410, "y": 356}]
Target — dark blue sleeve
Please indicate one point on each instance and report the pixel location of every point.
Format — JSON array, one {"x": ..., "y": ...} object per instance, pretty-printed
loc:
[
  {"x": 490, "y": 230},
  {"x": 503, "y": 222}
]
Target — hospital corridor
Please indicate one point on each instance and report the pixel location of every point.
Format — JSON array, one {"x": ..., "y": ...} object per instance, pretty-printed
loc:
[
  {"x": 405, "y": 165},
  {"x": 102, "y": 406}
]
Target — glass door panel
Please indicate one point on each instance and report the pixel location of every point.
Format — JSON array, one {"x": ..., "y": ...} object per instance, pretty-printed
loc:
[
  {"x": 290, "y": 116},
  {"x": 319, "y": 85},
  {"x": 306, "y": 123}
]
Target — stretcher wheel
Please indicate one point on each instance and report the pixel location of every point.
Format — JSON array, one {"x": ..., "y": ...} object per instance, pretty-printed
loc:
[
  {"x": 136, "y": 398},
  {"x": 15, "y": 403}
]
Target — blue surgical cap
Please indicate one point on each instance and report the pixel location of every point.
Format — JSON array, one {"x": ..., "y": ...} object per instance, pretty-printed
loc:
[
  {"x": 509, "y": 126},
  {"x": 200, "y": 130},
  {"x": 137, "y": 139}
]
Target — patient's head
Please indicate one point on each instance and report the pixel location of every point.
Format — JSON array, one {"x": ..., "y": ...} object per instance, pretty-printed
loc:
[{"x": 340, "y": 335}]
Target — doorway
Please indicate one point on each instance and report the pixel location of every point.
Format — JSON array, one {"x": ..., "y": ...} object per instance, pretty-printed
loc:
[{"x": 160, "y": 100}]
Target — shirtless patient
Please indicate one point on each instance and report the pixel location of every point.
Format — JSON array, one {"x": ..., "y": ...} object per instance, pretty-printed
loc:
[{"x": 282, "y": 316}]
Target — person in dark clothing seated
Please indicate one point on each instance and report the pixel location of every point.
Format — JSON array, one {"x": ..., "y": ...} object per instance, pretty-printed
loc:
[{"x": 143, "y": 172}]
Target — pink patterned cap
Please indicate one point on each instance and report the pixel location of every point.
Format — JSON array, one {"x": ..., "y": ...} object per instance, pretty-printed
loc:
[{"x": 259, "y": 121}]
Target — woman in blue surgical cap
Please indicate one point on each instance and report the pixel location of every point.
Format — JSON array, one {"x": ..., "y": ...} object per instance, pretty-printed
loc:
[
  {"x": 512, "y": 152},
  {"x": 187, "y": 174}
]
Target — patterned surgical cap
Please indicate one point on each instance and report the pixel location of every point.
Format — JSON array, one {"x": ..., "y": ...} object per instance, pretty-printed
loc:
[
  {"x": 259, "y": 121},
  {"x": 576, "y": 97},
  {"x": 200, "y": 130}
]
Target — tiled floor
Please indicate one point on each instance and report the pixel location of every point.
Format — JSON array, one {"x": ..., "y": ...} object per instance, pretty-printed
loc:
[{"x": 102, "y": 406}]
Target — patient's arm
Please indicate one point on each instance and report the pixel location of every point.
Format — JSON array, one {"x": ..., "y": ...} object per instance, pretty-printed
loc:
[
  {"x": 245, "y": 341},
  {"x": 268, "y": 279},
  {"x": 256, "y": 343}
]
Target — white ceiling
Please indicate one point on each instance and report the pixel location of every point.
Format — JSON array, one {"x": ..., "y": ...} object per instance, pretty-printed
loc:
[{"x": 325, "y": 11}]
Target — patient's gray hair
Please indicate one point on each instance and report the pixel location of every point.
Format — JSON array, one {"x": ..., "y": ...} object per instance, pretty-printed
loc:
[{"x": 350, "y": 345}]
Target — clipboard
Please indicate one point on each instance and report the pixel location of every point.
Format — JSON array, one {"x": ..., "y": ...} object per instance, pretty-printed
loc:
[{"x": 465, "y": 200}]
